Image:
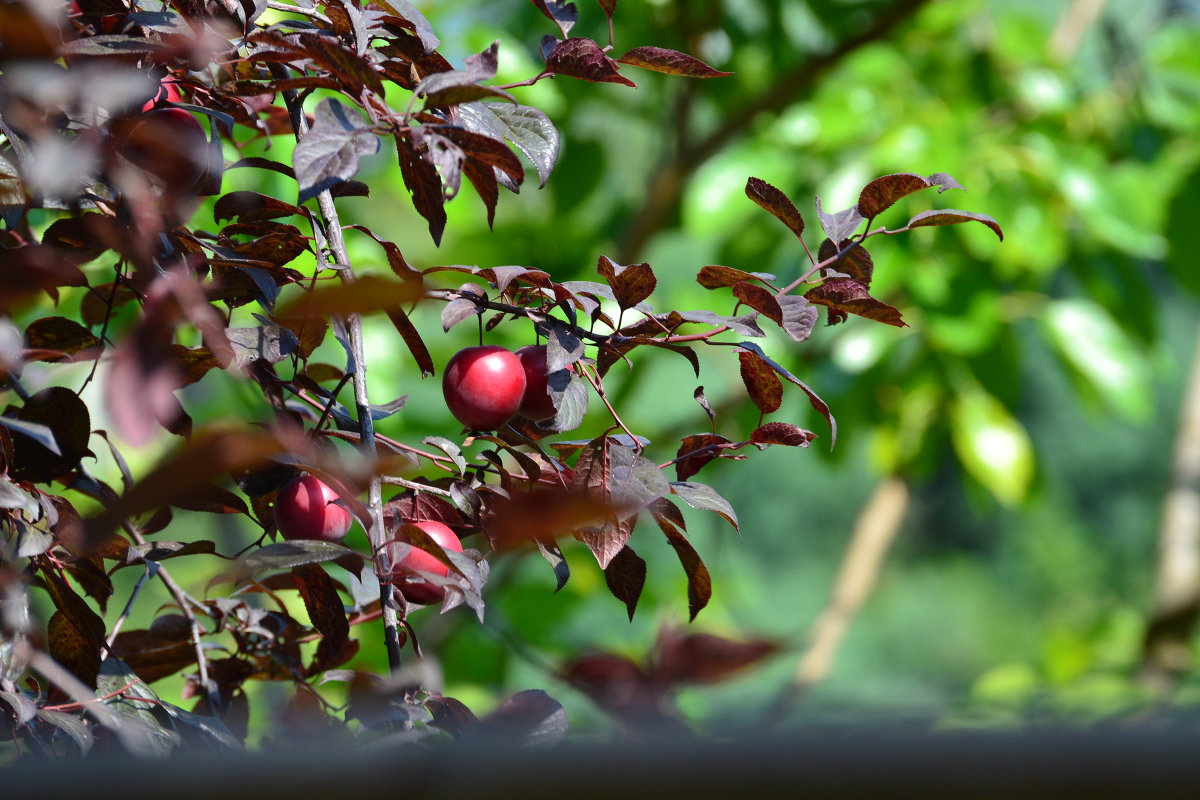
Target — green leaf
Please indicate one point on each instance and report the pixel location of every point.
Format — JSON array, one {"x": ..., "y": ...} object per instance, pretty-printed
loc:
[
  {"x": 992, "y": 445},
  {"x": 1094, "y": 345}
]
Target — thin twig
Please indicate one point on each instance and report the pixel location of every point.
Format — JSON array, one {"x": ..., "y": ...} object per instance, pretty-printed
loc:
[{"x": 377, "y": 534}]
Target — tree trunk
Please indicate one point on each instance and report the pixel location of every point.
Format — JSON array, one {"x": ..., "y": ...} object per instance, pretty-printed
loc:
[
  {"x": 876, "y": 529},
  {"x": 1167, "y": 652}
]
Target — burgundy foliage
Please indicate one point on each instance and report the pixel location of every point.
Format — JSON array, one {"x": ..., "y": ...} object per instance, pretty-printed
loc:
[{"x": 100, "y": 180}]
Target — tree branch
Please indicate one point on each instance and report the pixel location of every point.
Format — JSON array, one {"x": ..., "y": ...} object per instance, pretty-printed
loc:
[
  {"x": 669, "y": 181},
  {"x": 331, "y": 236}
]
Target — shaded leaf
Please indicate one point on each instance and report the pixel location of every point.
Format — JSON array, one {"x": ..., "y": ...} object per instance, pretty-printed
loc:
[
  {"x": 329, "y": 152},
  {"x": 560, "y": 12},
  {"x": 61, "y": 411},
  {"x": 953, "y": 216},
  {"x": 784, "y": 433},
  {"x": 670, "y": 62},
  {"x": 849, "y": 295},
  {"x": 697, "y": 451},
  {"x": 744, "y": 323},
  {"x": 701, "y": 658},
  {"x": 855, "y": 261},
  {"x": 531, "y": 717},
  {"x": 625, "y": 577},
  {"x": 161, "y": 550},
  {"x": 285, "y": 556},
  {"x": 71, "y": 725},
  {"x": 704, "y": 497},
  {"x": 715, "y": 276},
  {"x": 840, "y": 225}
]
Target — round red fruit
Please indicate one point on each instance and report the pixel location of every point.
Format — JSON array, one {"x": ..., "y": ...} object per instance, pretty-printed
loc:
[
  {"x": 168, "y": 92},
  {"x": 403, "y": 569},
  {"x": 170, "y": 144},
  {"x": 307, "y": 509},
  {"x": 483, "y": 386},
  {"x": 536, "y": 404}
]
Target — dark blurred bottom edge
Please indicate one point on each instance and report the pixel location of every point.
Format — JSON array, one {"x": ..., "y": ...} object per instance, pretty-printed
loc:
[{"x": 1158, "y": 764}]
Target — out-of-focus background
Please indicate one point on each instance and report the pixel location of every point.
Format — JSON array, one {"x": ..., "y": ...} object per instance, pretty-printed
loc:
[
  {"x": 1002, "y": 464},
  {"x": 1019, "y": 435}
]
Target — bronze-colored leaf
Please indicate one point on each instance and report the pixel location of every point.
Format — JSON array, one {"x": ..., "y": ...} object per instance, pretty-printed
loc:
[
  {"x": 761, "y": 382},
  {"x": 777, "y": 203}
]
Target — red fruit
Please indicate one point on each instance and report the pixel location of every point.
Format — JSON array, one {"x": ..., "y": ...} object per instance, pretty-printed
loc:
[
  {"x": 168, "y": 92},
  {"x": 536, "y": 404},
  {"x": 418, "y": 591},
  {"x": 483, "y": 386},
  {"x": 169, "y": 143},
  {"x": 307, "y": 509}
]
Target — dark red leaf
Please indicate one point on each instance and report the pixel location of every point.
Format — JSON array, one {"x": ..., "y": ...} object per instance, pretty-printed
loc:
[
  {"x": 354, "y": 70},
  {"x": 451, "y": 716},
  {"x": 670, "y": 522},
  {"x": 704, "y": 449},
  {"x": 630, "y": 284},
  {"x": 715, "y": 276},
  {"x": 325, "y": 611},
  {"x": 703, "y": 658},
  {"x": 30, "y": 270},
  {"x": 422, "y": 179},
  {"x": 879, "y": 195},
  {"x": 761, "y": 382},
  {"x": 855, "y": 261},
  {"x": 67, "y": 417},
  {"x": 76, "y": 632},
  {"x": 953, "y": 216},
  {"x": 760, "y": 299},
  {"x": 777, "y": 203},
  {"x": 583, "y": 59},
  {"x": 162, "y": 650},
  {"x": 851, "y": 296},
  {"x": 59, "y": 337},
  {"x": 625, "y": 577},
  {"x": 560, "y": 12},
  {"x": 784, "y": 433},
  {"x": 252, "y": 207},
  {"x": 412, "y": 338},
  {"x": 671, "y": 62}
]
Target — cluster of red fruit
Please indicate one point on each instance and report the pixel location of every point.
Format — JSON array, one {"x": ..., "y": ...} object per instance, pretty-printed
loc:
[
  {"x": 486, "y": 386},
  {"x": 307, "y": 508}
]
